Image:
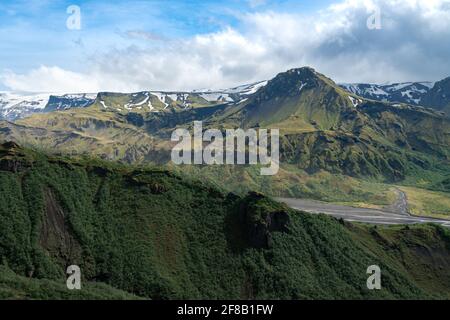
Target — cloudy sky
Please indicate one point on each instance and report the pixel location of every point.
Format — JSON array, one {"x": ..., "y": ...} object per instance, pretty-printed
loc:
[{"x": 179, "y": 45}]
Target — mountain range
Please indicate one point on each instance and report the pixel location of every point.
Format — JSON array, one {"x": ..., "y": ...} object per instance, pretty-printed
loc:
[
  {"x": 428, "y": 94},
  {"x": 324, "y": 128},
  {"x": 408, "y": 92},
  {"x": 14, "y": 106},
  {"x": 87, "y": 180}
]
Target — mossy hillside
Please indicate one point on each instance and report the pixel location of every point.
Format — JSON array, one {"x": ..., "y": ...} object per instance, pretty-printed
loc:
[
  {"x": 293, "y": 182},
  {"x": 154, "y": 234},
  {"x": 99, "y": 222},
  {"x": 104, "y": 134},
  {"x": 15, "y": 287},
  {"x": 344, "y": 154},
  {"x": 410, "y": 128}
]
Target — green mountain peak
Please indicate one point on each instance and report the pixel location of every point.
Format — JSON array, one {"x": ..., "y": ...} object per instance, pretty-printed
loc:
[{"x": 301, "y": 99}]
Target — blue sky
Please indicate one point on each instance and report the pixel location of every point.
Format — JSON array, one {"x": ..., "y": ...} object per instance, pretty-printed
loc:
[
  {"x": 132, "y": 45},
  {"x": 34, "y": 32}
]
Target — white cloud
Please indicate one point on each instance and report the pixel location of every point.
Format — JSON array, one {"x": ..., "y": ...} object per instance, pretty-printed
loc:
[
  {"x": 412, "y": 45},
  {"x": 47, "y": 78},
  {"x": 55, "y": 79}
]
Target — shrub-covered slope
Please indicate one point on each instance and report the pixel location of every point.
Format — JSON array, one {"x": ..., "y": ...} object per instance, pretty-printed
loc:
[
  {"x": 15, "y": 287},
  {"x": 153, "y": 234}
]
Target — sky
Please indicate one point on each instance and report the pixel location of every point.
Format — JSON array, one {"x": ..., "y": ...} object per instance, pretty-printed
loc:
[{"x": 90, "y": 46}]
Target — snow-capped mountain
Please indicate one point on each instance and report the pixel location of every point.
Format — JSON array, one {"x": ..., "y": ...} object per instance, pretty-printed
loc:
[
  {"x": 439, "y": 96},
  {"x": 408, "y": 92},
  {"x": 235, "y": 94},
  {"x": 68, "y": 101},
  {"x": 157, "y": 101},
  {"x": 15, "y": 106}
]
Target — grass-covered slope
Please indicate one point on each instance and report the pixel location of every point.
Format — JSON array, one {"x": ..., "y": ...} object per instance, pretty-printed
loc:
[
  {"x": 153, "y": 234},
  {"x": 16, "y": 287}
]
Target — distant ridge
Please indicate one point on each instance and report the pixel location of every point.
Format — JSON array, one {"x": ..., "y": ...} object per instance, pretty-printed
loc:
[{"x": 15, "y": 105}]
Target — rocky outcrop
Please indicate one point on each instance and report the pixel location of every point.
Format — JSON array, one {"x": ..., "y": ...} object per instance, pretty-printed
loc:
[
  {"x": 56, "y": 236},
  {"x": 9, "y": 161},
  {"x": 261, "y": 222},
  {"x": 11, "y": 165}
]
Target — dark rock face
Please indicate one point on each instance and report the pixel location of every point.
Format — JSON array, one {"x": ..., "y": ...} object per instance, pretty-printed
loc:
[
  {"x": 260, "y": 224},
  {"x": 56, "y": 236},
  {"x": 278, "y": 221},
  {"x": 9, "y": 150},
  {"x": 65, "y": 102},
  {"x": 10, "y": 145},
  {"x": 148, "y": 183},
  {"x": 102, "y": 172},
  {"x": 439, "y": 96},
  {"x": 11, "y": 165},
  {"x": 135, "y": 119},
  {"x": 260, "y": 233},
  {"x": 157, "y": 188}
]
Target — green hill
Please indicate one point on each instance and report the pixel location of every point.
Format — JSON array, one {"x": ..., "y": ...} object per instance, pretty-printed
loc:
[
  {"x": 16, "y": 287},
  {"x": 297, "y": 100},
  {"x": 154, "y": 234}
]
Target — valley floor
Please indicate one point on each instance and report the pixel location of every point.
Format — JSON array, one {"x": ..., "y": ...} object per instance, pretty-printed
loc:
[{"x": 364, "y": 215}]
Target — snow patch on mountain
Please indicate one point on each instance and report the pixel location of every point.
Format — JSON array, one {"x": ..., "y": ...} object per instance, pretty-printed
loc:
[
  {"x": 355, "y": 102},
  {"x": 233, "y": 95},
  {"x": 217, "y": 96},
  {"x": 14, "y": 105},
  {"x": 302, "y": 85},
  {"x": 407, "y": 92},
  {"x": 247, "y": 89}
]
